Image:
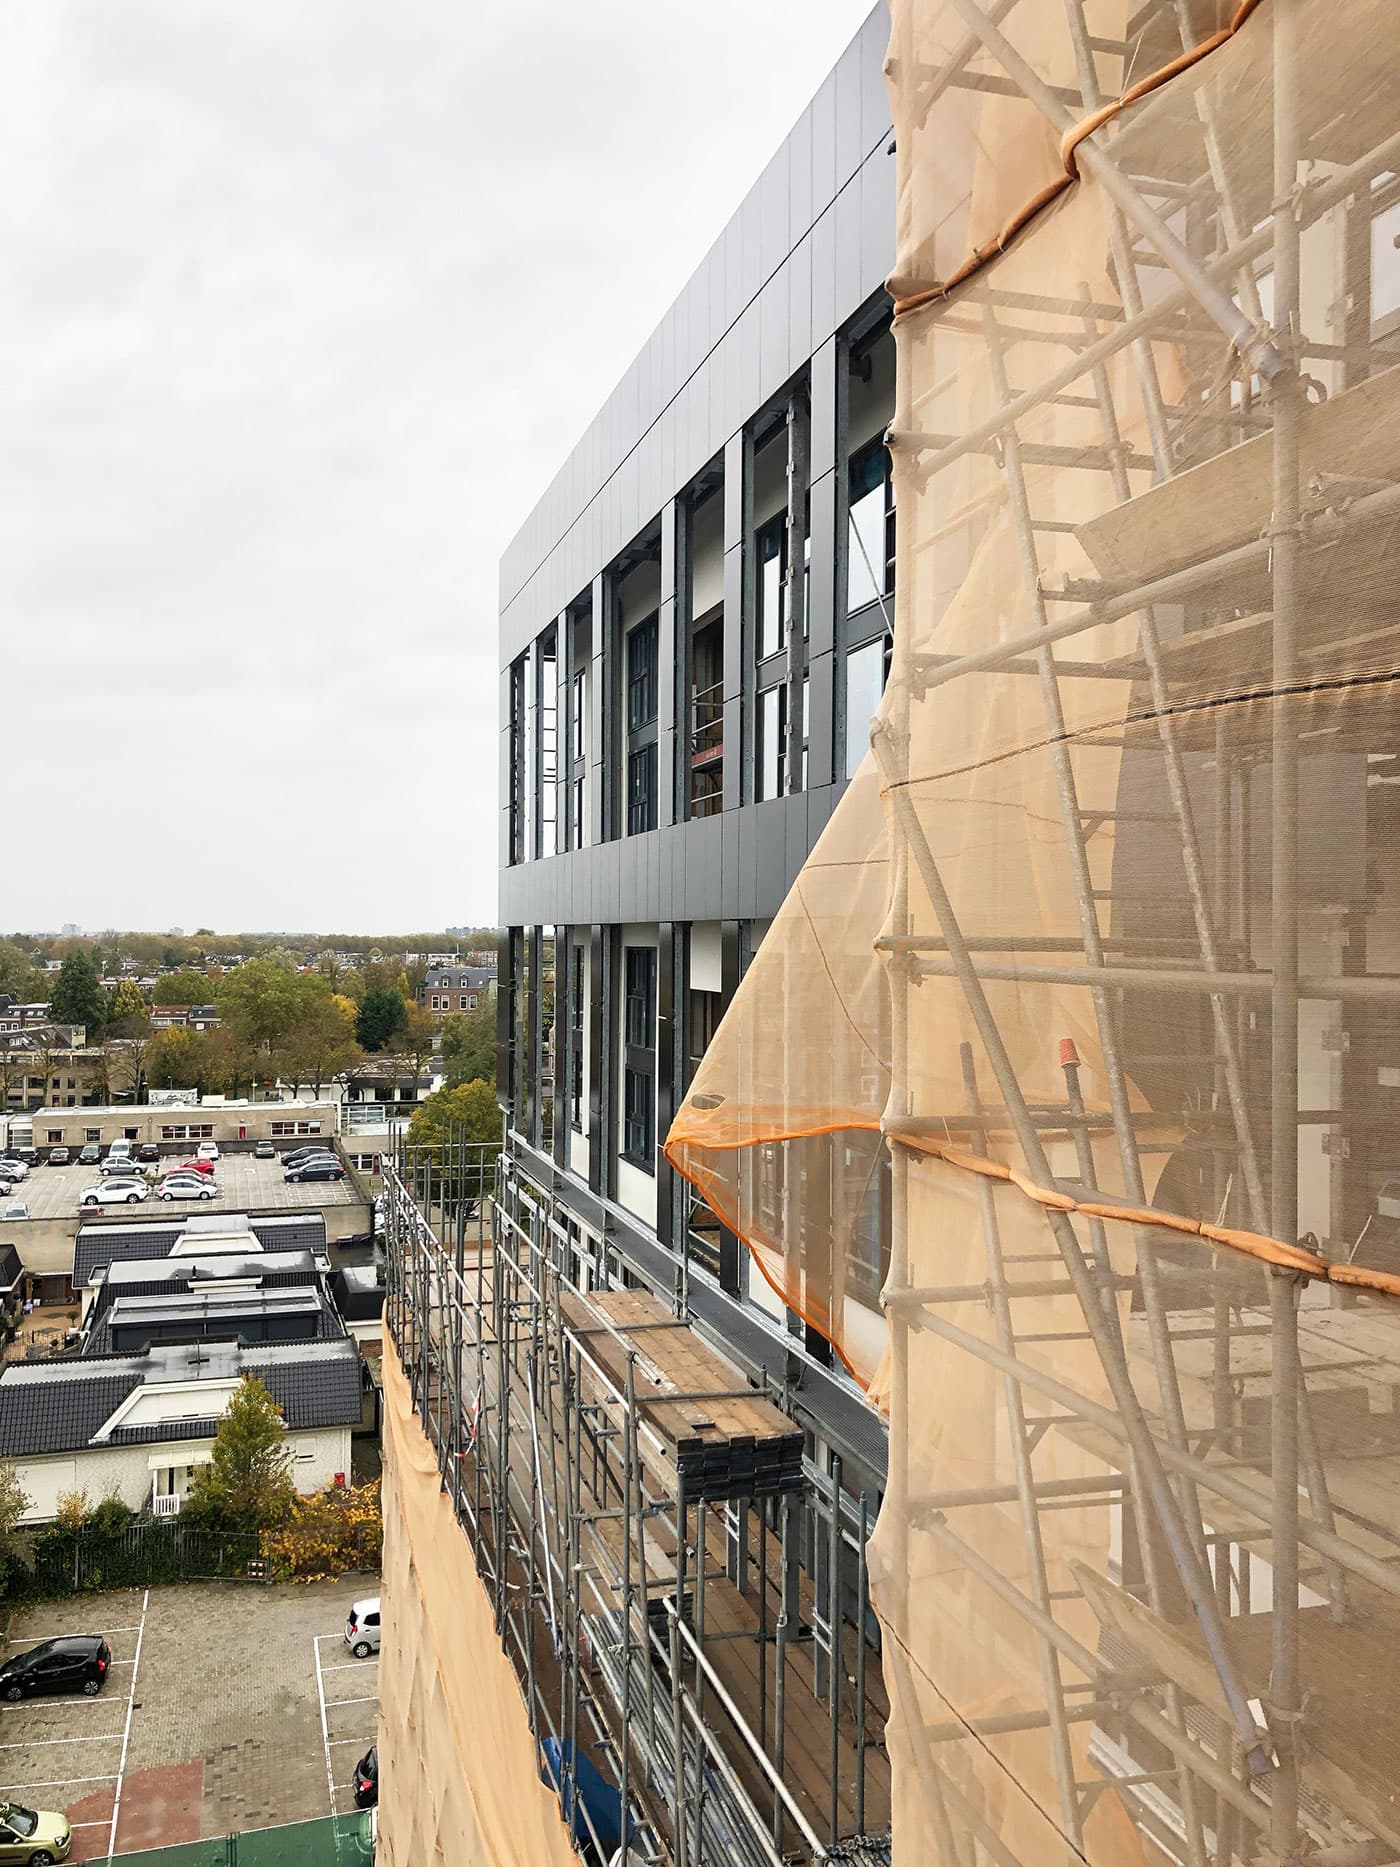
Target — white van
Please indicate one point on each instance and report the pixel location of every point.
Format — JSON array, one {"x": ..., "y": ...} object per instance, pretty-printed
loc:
[
  {"x": 120, "y": 1150},
  {"x": 207, "y": 1150}
]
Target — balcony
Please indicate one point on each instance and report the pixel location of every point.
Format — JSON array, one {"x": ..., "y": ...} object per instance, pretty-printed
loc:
[
  {"x": 167, "y": 1505},
  {"x": 706, "y": 749}
]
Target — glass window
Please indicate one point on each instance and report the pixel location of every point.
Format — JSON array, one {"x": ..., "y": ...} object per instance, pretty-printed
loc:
[
  {"x": 641, "y": 790},
  {"x": 576, "y": 1036},
  {"x": 870, "y": 530},
  {"x": 578, "y": 706},
  {"x": 638, "y": 1118},
  {"x": 641, "y": 674},
  {"x": 770, "y": 586},
  {"x": 866, "y": 669},
  {"x": 641, "y": 996},
  {"x": 1385, "y": 264},
  {"x": 769, "y": 760}
]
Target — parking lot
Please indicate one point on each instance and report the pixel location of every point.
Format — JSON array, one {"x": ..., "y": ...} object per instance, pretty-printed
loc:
[
  {"x": 227, "y": 1708},
  {"x": 244, "y": 1183}
]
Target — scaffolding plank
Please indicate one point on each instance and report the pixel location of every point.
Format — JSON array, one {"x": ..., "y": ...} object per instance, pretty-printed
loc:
[{"x": 1227, "y": 500}]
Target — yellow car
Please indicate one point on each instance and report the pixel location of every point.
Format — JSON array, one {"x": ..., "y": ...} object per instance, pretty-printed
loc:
[{"x": 32, "y": 1837}]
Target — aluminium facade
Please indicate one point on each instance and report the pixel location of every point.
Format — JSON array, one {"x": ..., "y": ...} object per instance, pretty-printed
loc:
[{"x": 694, "y": 633}]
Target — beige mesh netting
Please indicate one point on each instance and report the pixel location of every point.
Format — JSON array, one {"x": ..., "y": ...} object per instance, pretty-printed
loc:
[
  {"x": 458, "y": 1779},
  {"x": 1064, "y": 1093}
]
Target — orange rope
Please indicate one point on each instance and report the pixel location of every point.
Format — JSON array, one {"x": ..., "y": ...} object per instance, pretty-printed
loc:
[{"x": 980, "y": 256}]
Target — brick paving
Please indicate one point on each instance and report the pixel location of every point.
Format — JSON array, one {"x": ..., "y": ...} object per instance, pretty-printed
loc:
[{"x": 225, "y": 1720}]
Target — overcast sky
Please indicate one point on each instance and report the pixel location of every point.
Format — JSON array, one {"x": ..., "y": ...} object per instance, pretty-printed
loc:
[{"x": 302, "y": 302}]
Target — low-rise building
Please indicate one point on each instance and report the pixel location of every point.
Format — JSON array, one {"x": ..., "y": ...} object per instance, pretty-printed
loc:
[
  {"x": 169, "y": 1329},
  {"x": 201, "y": 1121},
  {"x": 448, "y": 989},
  {"x": 190, "y": 1017}
]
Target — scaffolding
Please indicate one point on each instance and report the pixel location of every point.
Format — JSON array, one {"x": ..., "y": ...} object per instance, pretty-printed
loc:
[
  {"x": 1131, "y": 813},
  {"x": 683, "y": 1595}
]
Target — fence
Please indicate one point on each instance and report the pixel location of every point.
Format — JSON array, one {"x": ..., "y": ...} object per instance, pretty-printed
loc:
[
  {"x": 333, "y": 1841},
  {"x": 140, "y": 1555}
]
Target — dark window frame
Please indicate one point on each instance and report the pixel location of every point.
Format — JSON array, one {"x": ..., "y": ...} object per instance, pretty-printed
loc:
[{"x": 639, "y": 971}]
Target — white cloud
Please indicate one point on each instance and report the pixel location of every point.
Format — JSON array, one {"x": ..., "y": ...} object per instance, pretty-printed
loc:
[{"x": 302, "y": 307}]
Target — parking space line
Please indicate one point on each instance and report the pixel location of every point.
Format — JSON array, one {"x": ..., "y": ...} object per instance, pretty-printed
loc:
[
  {"x": 342, "y": 1666},
  {"x": 70, "y": 1704},
  {"x": 55, "y": 1782},
  {"x": 126, "y": 1732},
  {"x": 332, "y": 1703},
  {"x": 21, "y": 1640},
  {"x": 325, "y": 1733},
  {"x": 38, "y": 1743},
  {"x": 350, "y": 1740}
]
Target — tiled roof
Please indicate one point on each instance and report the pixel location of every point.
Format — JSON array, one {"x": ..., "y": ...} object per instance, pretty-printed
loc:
[{"x": 59, "y": 1406}]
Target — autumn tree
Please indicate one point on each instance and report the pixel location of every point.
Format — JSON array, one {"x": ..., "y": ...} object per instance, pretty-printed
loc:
[
  {"x": 418, "y": 1041},
  {"x": 127, "y": 1011},
  {"x": 321, "y": 1044},
  {"x": 246, "y": 1484},
  {"x": 184, "y": 988}
]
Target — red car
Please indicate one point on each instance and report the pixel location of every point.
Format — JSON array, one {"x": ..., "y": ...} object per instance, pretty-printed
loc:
[{"x": 193, "y": 1166}]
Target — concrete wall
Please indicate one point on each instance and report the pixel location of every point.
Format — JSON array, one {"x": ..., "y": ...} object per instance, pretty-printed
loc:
[
  {"x": 126, "y": 1471},
  {"x": 72, "y": 1127}
]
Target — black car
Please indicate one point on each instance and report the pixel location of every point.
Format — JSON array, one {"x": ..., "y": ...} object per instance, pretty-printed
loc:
[
  {"x": 90, "y": 1155},
  {"x": 29, "y": 1155},
  {"x": 300, "y": 1154},
  {"x": 148, "y": 1151},
  {"x": 367, "y": 1779},
  {"x": 325, "y": 1167},
  {"x": 72, "y": 1663}
]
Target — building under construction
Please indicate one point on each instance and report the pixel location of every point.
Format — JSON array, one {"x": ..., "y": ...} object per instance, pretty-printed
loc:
[{"x": 1059, "y": 1097}]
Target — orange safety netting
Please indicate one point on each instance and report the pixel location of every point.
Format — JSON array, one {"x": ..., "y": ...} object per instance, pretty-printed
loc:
[{"x": 1078, "y": 1038}]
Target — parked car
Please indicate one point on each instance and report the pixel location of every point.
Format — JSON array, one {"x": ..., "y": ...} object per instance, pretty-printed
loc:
[
  {"x": 125, "y": 1164},
  {"x": 208, "y": 1150},
  {"x": 119, "y": 1150},
  {"x": 115, "y": 1193},
  {"x": 148, "y": 1151},
  {"x": 29, "y": 1155},
  {"x": 13, "y": 1209},
  {"x": 264, "y": 1151},
  {"x": 362, "y": 1627},
  {"x": 299, "y": 1154},
  {"x": 328, "y": 1168},
  {"x": 194, "y": 1166},
  {"x": 90, "y": 1155},
  {"x": 33, "y": 1836},
  {"x": 59, "y": 1156},
  {"x": 69, "y": 1663},
  {"x": 13, "y": 1171},
  {"x": 186, "y": 1186},
  {"x": 366, "y": 1783}
]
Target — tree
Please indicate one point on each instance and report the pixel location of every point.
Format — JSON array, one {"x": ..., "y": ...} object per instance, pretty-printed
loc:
[
  {"x": 321, "y": 1044},
  {"x": 262, "y": 999},
  {"x": 419, "y": 1040},
  {"x": 25, "y": 982},
  {"x": 127, "y": 1012},
  {"x": 382, "y": 1014},
  {"x": 183, "y": 988},
  {"x": 459, "y": 1131},
  {"x": 16, "y": 1542},
  {"x": 77, "y": 996},
  {"x": 469, "y": 1045},
  {"x": 246, "y": 1485},
  {"x": 128, "y": 1065}
]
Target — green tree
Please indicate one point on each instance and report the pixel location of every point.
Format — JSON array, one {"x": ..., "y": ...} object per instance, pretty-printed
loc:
[
  {"x": 186, "y": 987},
  {"x": 321, "y": 1044},
  {"x": 382, "y": 1014},
  {"x": 261, "y": 1000},
  {"x": 247, "y": 1484},
  {"x": 77, "y": 996},
  {"x": 459, "y": 1132},
  {"x": 469, "y": 1045},
  {"x": 418, "y": 1041},
  {"x": 25, "y": 982}
]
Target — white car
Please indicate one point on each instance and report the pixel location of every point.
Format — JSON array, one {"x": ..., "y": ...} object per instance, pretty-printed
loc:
[
  {"x": 13, "y": 1170},
  {"x": 115, "y": 1193},
  {"x": 186, "y": 1186},
  {"x": 207, "y": 1150},
  {"x": 362, "y": 1627}
]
